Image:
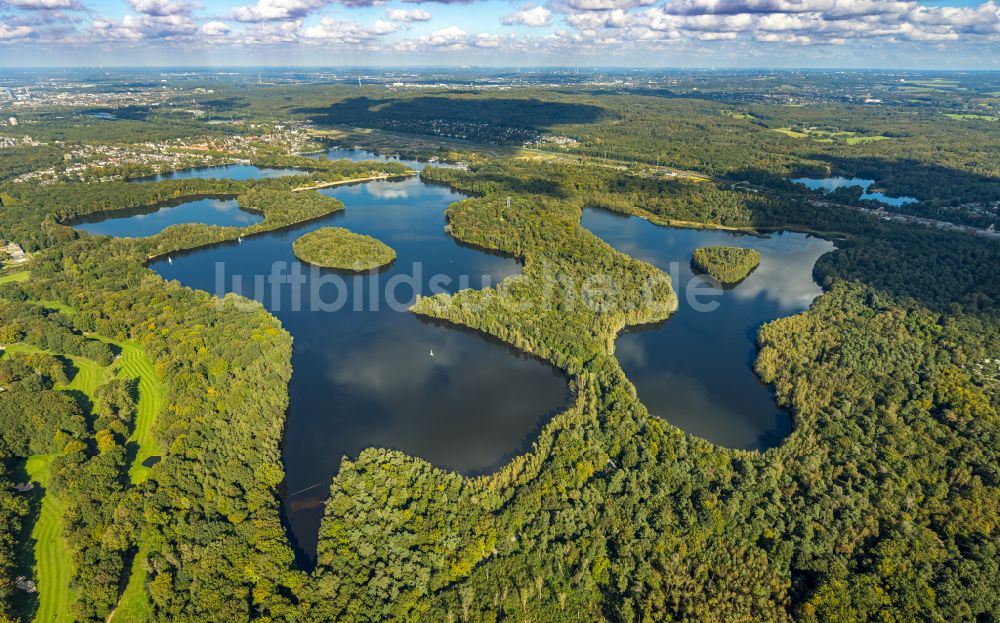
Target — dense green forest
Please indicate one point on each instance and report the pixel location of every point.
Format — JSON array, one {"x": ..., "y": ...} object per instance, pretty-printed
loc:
[
  {"x": 336, "y": 247},
  {"x": 881, "y": 505},
  {"x": 37, "y": 215},
  {"x": 729, "y": 265},
  {"x": 910, "y": 148}
]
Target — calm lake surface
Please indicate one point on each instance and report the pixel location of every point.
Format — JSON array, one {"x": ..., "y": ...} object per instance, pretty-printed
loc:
[
  {"x": 364, "y": 374},
  {"x": 147, "y": 222},
  {"x": 225, "y": 172},
  {"x": 342, "y": 153},
  {"x": 695, "y": 369},
  {"x": 223, "y": 212},
  {"x": 828, "y": 184}
]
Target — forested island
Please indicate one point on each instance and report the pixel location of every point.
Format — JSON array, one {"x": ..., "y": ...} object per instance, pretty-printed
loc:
[
  {"x": 336, "y": 247},
  {"x": 729, "y": 265},
  {"x": 880, "y": 505}
]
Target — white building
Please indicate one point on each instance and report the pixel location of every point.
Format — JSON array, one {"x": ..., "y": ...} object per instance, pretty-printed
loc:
[{"x": 15, "y": 253}]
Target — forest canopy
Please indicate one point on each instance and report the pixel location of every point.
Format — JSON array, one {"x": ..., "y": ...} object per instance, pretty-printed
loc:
[
  {"x": 336, "y": 247},
  {"x": 881, "y": 505},
  {"x": 730, "y": 265}
]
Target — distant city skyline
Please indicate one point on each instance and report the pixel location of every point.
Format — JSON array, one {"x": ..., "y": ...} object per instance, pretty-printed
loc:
[{"x": 954, "y": 34}]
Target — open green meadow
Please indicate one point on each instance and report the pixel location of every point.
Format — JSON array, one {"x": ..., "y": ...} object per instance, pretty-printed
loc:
[{"x": 17, "y": 277}]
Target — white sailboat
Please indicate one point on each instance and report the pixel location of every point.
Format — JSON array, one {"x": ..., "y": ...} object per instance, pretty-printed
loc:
[
  {"x": 432, "y": 352},
  {"x": 170, "y": 260}
]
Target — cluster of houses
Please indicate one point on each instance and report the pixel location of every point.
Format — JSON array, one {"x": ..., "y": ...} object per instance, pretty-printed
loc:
[
  {"x": 67, "y": 93},
  {"x": 549, "y": 140},
  {"x": 18, "y": 141},
  {"x": 94, "y": 162}
]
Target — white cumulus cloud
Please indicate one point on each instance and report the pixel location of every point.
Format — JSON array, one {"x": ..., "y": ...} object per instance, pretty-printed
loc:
[
  {"x": 44, "y": 5},
  {"x": 341, "y": 32},
  {"x": 143, "y": 27},
  {"x": 276, "y": 10},
  {"x": 10, "y": 33},
  {"x": 528, "y": 15},
  {"x": 215, "y": 28},
  {"x": 163, "y": 7},
  {"x": 404, "y": 15},
  {"x": 799, "y": 22}
]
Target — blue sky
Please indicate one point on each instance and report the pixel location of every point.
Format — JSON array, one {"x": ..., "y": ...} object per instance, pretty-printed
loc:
[{"x": 656, "y": 33}]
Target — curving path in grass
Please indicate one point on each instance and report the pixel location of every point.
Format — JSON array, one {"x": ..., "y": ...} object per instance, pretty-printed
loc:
[
  {"x": 135, "y": 363},
  {"x": 133, "y": 606},
  {"x": 53, "y": 567}
]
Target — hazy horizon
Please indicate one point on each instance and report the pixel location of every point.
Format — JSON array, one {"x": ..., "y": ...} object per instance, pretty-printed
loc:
[
  {"x": 821, "y": 34},
  {"x": 540, "y": 68}
]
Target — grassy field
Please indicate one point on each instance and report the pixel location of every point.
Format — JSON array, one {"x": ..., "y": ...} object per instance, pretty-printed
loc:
[
  {"x": 53, "y": 568},
  {"x": 18, "y": 276},
  {"x": 135, "y": 363},
  {"x": 52, "y": 563},
  {"x": 57, "y": 306},
  {"x": 970, "y": 117},
  {"x": 133, "y": 607},
  {"x": 89, "y": 376},
  {"x": 854, "y": 140},
  {"x": 824, "y": 136},
  {"x": 791, "y": 132},
  {"x": 935, "y": 83}
]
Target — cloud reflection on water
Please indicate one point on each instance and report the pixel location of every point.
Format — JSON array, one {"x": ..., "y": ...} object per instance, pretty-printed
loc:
[{"x": 695, "y": 368}]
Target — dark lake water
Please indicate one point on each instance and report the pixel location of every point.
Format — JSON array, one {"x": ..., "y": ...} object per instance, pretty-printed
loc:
[
  {"x": 828, "y": 184},
  {"x": 364, "y": 373},
  {"x": 147, "y": 222},
  {"x": 225, "y": 172},
  {"x": 695, "y": 368},
  {"x": 223, "y": 212},
  {"x": 338, "y": 153}
]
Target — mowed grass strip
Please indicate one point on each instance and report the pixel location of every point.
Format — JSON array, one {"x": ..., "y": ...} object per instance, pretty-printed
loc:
[
  {"x": 53, "y": 568},
  {"x": 135, "y": 363},
  {"x": 134, "y": 607},
  {"x": 89, "y": 376},
  {"x": 53, "y": 564},
  {"x": 18, "y": 276}
]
